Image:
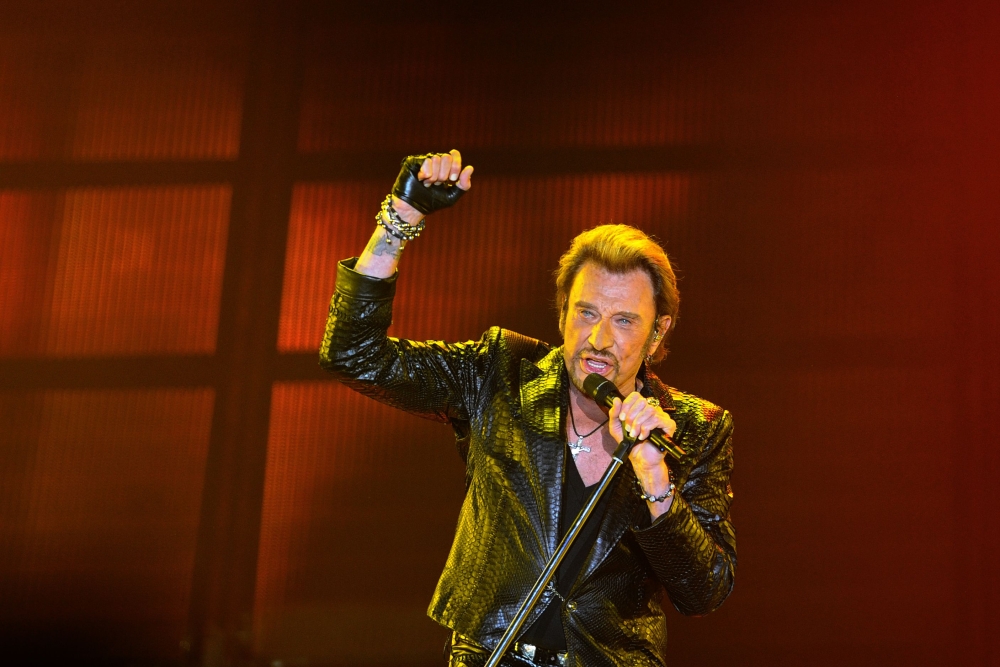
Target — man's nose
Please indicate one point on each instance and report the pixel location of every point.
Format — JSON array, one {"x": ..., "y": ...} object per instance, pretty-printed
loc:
[{"x": 600, "y": 335}]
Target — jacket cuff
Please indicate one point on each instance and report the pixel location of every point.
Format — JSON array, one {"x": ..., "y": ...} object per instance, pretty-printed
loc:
[
  {"x": 674, "y": 522},
  {"x": 359, "y": 286}
]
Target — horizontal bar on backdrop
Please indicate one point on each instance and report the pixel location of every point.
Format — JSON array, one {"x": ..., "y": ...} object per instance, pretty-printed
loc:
[
  {"x": 51, "y": 175},
  {"x": 508, "y": 161},
  {"x": 109, "y": 372},
  {"x": 541, "y": 161}
]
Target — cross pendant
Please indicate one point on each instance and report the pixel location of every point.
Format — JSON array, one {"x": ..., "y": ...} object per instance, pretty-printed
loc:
[{"x": 577, "y": 447}]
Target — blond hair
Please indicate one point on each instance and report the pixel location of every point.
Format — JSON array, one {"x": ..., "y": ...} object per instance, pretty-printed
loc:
[{"x": 621, "y": 249}]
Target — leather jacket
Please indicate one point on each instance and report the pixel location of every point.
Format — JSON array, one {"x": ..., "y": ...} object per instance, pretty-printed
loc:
[{"x": 506, "y": 397}]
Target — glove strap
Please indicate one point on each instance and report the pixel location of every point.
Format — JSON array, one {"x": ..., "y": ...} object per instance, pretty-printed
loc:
[{"x": 411, "y": 189}]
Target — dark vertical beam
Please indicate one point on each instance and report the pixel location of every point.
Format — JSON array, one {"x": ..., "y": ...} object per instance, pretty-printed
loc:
[{"x": 229, "y": 532}]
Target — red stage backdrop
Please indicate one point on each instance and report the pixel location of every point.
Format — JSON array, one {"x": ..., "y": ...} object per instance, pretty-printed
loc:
[{"x": 179, "y": 481}]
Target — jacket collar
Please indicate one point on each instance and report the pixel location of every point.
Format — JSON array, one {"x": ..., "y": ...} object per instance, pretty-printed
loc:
[{"x": 653, "y": 386}]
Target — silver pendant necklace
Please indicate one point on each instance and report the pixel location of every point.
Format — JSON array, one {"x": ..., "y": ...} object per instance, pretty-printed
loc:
[{"x": 576, "y": 447}]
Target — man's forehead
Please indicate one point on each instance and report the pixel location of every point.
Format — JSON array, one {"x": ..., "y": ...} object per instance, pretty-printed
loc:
[{"x": 633, "y": 288}]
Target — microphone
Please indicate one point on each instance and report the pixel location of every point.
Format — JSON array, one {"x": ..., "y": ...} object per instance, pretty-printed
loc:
[{"x": 604, "y": 392}]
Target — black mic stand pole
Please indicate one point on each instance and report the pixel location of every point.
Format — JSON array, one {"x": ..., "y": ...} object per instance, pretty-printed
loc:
[{"x": 617, "y": 460}]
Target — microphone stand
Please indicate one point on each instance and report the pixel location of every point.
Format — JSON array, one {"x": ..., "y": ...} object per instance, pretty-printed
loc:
[{"x": 617, "y": 460}]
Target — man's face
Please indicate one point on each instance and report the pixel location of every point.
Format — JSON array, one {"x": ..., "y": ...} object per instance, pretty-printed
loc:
[{"x": 609, "y": 325}]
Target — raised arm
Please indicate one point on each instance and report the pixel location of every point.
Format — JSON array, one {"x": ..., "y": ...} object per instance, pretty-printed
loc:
[
  {"x": 438, "y": 173},
  {"x": 434, "y": 380}
]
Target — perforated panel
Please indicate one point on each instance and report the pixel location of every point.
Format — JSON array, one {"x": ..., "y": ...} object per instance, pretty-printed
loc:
[
  {"x": 101, "y": 493},
  {"x": 26, "y": 265},
  {"x": 114, "y": 271},
  {"x": 640, "y": 75},
  {"x": 115, "y": 96},
  {"x": 522, "y": 91},
  {"x": 33, "y": 107},
  {"x": 160, "y": 99},
  {"x": 359, "y": 509}
]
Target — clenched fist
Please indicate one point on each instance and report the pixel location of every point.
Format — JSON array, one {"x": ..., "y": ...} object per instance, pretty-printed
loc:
[{"x": 428, "y": 183}]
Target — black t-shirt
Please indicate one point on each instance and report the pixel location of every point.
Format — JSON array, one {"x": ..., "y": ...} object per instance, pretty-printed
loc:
[{"x": 547, "y": 631}]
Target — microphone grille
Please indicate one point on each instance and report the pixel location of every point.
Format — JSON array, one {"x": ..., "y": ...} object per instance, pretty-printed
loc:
[{"x": 592, "y": 384}]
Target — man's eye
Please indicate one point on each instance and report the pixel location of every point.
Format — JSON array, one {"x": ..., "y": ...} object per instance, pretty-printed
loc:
[
  {"x": 624, "y": 321},
  {"x": 587, "y": 313}
]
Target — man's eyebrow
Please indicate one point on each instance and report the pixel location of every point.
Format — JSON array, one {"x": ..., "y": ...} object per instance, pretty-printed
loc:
[{"x": 626, "y": 313}]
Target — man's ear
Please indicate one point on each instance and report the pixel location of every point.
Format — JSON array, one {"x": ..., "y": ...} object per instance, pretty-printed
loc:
[{"x": 660, "y": 330}]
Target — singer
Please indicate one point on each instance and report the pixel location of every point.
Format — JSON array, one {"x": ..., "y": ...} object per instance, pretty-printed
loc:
[{"x": 534, "y": 442}]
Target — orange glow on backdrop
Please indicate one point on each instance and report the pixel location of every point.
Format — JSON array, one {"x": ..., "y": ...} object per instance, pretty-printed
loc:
[
  {"x": 113, "y": 98},
  {"x": 331, "y": 473},
  {"x": 101, "y": 493},
  {"x": 114, "y": 271}
]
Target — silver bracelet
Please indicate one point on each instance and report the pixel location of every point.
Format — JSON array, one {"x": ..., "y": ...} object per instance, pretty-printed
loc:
[
  {"x": 653, "y": 499},
  {"x": 404, "y": 231},
  {"x": 389, "y": 229}
]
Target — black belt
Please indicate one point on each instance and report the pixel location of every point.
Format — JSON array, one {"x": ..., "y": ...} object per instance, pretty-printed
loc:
[{"x": 464, "y": 652}]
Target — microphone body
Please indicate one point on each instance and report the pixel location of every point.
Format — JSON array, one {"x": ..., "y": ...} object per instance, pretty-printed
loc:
[{"x": 604, "y": 392}]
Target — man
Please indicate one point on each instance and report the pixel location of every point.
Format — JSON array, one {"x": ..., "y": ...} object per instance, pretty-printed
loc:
[{"x": 533, "y": 443}]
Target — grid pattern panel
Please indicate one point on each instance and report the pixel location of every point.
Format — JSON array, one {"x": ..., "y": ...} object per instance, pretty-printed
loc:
[
  {"x": 851, "y": 255},
  {"x": 109, "y": 97},
  {"x": 359, "y": 509},
  {"x": 489, "y": 109},
  {"x": 102, "y": 493},
  {"x": 865, "y": 465},
  {"x": 119, "y": 271},
  {"x": 160, "y": 100},
  {"x": 25, "y": 265},
  {"x": 33, "y": 107}
]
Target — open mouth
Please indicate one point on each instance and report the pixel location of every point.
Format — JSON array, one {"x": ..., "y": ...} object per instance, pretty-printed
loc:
[{"x": 594, "y": 365}]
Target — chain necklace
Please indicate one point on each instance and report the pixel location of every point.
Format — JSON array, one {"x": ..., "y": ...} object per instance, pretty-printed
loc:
[{"x": 576, "y": 447}]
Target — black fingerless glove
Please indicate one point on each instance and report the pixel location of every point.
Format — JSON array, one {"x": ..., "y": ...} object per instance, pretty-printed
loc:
[{"x": 410, "y": 189}]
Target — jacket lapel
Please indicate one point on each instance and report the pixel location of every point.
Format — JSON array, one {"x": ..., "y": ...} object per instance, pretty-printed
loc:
[{"x": 542, "y": 394}]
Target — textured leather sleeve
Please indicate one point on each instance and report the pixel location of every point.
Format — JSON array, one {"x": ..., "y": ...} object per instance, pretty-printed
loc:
[
  {"x": 436, "y": 380},
  {"x": 692, "y": 547}
]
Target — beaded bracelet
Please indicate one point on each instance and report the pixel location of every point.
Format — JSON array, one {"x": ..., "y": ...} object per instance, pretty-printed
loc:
[
  {"x": 406, "y": 231},
  {"x": 651, "y": 498},
  {"x": 380, "y": 221}
]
